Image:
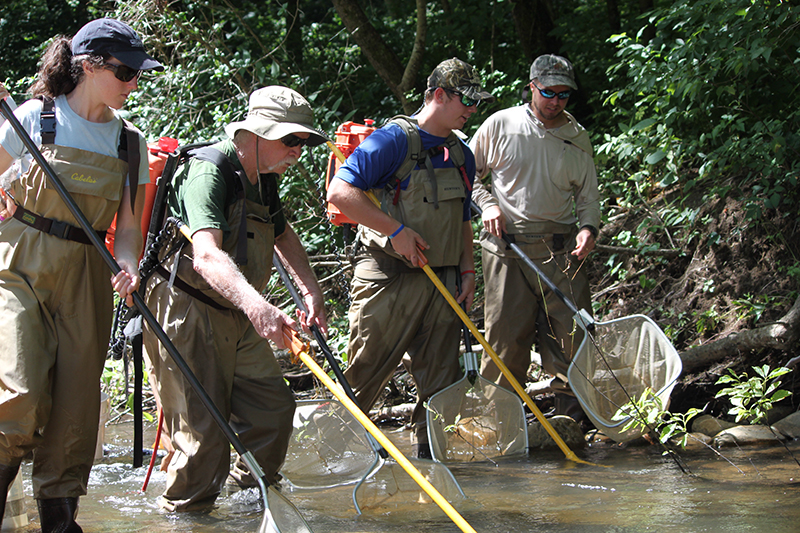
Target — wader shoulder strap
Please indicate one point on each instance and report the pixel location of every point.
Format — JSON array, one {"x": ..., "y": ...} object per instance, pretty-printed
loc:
[
  {"x": 229, "y": 172},
  {"x": 128, "y": 150},
  {"x": 416, "y": 156},
  {"x": 47, "y": 121}
]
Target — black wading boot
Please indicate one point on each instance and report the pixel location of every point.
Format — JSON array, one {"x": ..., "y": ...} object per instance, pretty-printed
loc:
[
  {"x": 7, "y": 475},
  {"x": 57, "y": 515}
]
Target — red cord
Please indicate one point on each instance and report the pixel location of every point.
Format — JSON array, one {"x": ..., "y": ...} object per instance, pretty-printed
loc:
[{"x": 155, "y": 450}]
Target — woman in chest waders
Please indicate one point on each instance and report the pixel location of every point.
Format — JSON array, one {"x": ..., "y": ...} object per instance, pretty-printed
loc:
[{"x": 56, "y": 301}]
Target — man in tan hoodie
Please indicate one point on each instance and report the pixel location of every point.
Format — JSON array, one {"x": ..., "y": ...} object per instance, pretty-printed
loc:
[{"x": 544, "y": 195}]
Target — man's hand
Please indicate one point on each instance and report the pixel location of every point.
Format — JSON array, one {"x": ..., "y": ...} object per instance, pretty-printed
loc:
[
  {"x": 584, "y": 244},
  {"x": 269, "y": 321},
  {"x": 410, "y": 245},
  {"x": 316, "y": 313},
  {"x": 7, "y": 205},
  {"x": 467, "y": 292},
  {"x": 494, "y": 221}
]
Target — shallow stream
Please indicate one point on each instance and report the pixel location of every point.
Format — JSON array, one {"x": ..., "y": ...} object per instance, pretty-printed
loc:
[{"x": 636, "y": 489}]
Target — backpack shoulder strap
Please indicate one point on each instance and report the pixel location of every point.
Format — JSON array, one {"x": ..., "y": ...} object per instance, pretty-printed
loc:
[
  {"x": 225, "y": 165},
  {"x": 414, "y": 152},
  {"x": 129, "y": 152}
]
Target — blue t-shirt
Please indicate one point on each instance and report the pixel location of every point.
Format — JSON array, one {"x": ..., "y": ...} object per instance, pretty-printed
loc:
[{"x": 373, "y": 163}]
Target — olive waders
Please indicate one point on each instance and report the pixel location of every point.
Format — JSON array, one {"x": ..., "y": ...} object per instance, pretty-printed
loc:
[{"x": 54, "y": 327}]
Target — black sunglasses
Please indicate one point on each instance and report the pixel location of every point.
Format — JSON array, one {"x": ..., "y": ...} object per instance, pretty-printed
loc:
[
  {"x": 547, "y": 93},
  {"x": 466, "y": 100},
  {"x": 122, "y": 72},
  {"x": 292, "y": 140}
]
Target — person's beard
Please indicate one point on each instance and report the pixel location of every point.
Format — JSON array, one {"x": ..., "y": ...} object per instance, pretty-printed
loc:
[{"x": 285, "y": 162}]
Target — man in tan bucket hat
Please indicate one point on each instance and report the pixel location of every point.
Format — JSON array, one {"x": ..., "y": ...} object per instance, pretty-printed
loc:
[{"x": 214, "y": 310}]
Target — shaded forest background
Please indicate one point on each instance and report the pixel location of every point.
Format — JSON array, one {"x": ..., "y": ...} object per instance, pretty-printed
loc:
[{"x": 692, "y": 107}]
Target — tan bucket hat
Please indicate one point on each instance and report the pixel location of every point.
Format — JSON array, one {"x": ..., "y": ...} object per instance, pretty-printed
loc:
[{"x": 274, "y": 112}]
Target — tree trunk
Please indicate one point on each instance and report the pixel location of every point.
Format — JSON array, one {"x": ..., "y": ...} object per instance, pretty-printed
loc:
[
  {"x": 780, "y": 335},
  {"x": 383, "y": 59},
  {"x": 533, "y": 20},
  {"x": 614, "y": 21}
]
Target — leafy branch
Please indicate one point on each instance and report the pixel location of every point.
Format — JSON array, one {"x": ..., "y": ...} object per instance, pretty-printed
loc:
[{"x": 753, "y": 397}]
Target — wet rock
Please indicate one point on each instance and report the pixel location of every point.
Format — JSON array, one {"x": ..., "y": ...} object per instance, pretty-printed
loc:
[
  {"x": 566, "y": 427},
  {"x": 600, "y": 439},
  {"x": 789, "y": 427},
  {"x": 778, "y": 412},
  {"x": 746, "y": 436},
  {"x": 708, "y": 425}
]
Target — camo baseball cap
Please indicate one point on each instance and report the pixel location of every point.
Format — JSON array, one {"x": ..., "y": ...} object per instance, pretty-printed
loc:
[
  {"x": 456, "y": 75},
  {"x": 552, "y": 70}
]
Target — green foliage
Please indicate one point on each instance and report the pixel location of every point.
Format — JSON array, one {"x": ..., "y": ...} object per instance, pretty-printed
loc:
[
  {"x": 753, "y": 397},
  {"x": 26, "y": 27},
  {"x": 707, "y": 321},
  {"x": 648, "y": 414},
  {"x": 752, "y": 306},
  {"x": 114, "y": 382},
  {"x": 713, "y": 95}
]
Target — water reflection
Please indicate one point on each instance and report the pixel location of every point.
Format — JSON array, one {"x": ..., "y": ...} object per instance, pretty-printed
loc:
[{"x": 639, "y": 491}]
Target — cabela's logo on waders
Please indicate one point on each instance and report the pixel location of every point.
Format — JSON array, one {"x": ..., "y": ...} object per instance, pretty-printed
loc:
[{"x": 82, "y": 177}]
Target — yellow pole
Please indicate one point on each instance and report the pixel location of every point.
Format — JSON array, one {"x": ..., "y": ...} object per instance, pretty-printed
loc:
[{"x": 297, "y": 347}]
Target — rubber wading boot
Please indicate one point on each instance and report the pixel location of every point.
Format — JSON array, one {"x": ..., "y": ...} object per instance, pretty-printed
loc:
[
  {"x": 421, "y": 450},
  {"x": 7, "y": 475},
  {"x": 57, "y": 515}
]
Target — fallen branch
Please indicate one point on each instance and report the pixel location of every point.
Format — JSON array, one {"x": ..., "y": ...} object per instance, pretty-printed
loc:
[
  {"x": 780, "y": 335},
  {"x": 661, "y": 252}
]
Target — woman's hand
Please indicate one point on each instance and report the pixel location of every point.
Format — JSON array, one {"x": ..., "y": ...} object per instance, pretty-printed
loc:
[
  {"x": 126, "y": 282},
  {"x": 7, "y": 205}
]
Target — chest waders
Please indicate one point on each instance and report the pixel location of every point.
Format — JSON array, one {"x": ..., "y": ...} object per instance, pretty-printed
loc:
[
  {"x": 432, "y": 204},
  {"x": 55, "y": 320}
]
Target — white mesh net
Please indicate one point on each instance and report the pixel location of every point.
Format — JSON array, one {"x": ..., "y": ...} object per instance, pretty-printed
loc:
[
  {"x": 617, "y": 362},
  {"x": 475, "y": 420}
]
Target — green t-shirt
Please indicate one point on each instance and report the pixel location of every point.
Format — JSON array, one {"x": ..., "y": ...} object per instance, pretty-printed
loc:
[{"x": 200, "y": 196}]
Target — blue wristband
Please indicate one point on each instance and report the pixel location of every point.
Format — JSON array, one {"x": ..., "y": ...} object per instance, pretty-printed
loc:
[{"x": 393, "y": 235}]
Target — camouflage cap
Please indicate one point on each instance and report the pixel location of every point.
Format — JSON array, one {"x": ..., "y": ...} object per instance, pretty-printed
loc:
[
  {"x": 552, "y": 70},
  {"x": 456, "y": 75}
]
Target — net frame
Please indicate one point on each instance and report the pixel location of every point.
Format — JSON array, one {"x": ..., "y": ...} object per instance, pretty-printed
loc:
[
  {"x": 475, "y": 419},
  {"x": 616, "y": 361}
]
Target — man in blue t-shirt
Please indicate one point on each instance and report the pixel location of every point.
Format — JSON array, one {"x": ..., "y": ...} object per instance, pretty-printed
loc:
[{"x": 397, "y": 314}]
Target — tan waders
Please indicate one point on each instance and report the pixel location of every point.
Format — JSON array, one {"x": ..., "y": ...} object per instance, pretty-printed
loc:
[
  {"x": 235, "y": 366},
  {"x": 517, "y": 315},
  {"x": 55, "y": 319},
  {"x": 401, "y": 317},
  {"x": 397, "y": 313}
]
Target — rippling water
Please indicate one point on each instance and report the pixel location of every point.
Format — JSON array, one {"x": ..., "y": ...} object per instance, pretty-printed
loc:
[{"x": 636, "y": 489}]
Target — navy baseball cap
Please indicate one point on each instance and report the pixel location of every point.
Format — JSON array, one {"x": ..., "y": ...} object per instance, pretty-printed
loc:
[{"x": 115, "y": 38}]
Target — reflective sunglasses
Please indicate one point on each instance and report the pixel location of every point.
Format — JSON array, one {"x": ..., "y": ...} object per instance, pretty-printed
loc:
[
  {"x": 292, "y": 140},
  {"x": 547, "y": 93},
  {"x": 122, "y": 72},
  {"x": 466, "y": 100}
]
